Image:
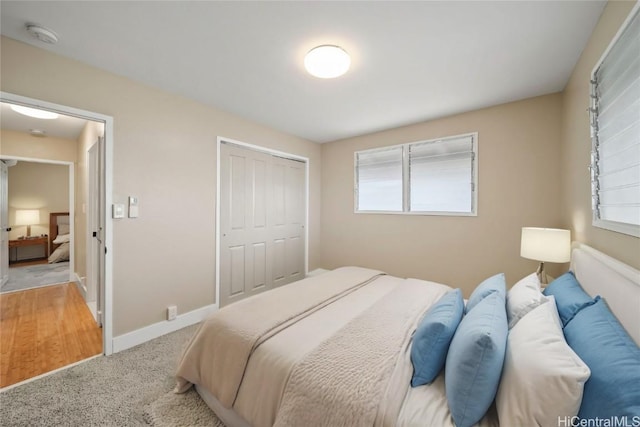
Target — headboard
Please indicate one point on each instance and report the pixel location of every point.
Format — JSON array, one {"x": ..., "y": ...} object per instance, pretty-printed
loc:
[
  {"x": 57, "y": 223},
  {"x": 616, "y": 282}
]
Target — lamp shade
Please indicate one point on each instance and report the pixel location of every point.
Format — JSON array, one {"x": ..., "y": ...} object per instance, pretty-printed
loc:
[
  {"x": 27, "y": 216},
  {"x": 545, "y": 244}
]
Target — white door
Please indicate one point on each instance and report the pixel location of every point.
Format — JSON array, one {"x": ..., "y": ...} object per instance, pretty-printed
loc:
[
  {"x": 287, "y": 212},
  {"x": 4, "y": 224},
  {"x": 94, "y": 237},
  {"x": 262, "y": 220}
]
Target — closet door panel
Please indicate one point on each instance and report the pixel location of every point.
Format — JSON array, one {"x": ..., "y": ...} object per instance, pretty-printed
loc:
[
  {"x": 259, "y": 265},
  {"x": 243, "y": 223},
  {"x": 262, "y": 222},
  {"x": 236, "y": 269}
]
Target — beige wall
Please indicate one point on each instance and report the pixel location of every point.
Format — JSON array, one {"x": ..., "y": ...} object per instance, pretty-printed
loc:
[
  {"x": 165, "y": 154},
  {"x": 22, "y": 144},
  {"x": 39, "y": 186},
  {"x": 576, "y": 145},
  {"x": 89, "y": 135},
  {"x": 519, "y": 171},
  {"x": 532, "y": 172}
]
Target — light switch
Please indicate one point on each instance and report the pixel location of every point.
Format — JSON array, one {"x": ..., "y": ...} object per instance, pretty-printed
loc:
[
  {"x": 117, "y": 210},
  {"x": 133, "y": 207}
]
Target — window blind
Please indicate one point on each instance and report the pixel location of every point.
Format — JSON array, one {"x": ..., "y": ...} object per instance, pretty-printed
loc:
[
  {"x": 615, "y": 122},
  {"x": 434, "y": 177},
  {"x": 379, "y": 179},
  {"x": 441, "y": 175}
]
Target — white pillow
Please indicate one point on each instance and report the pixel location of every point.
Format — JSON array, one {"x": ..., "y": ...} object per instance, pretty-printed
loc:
[
  {"x": 523, "y": 297},
  {"x": 542, "y": 378},
  {"x": 60, "y": 254},
  {"x": 62, "y": 238}
]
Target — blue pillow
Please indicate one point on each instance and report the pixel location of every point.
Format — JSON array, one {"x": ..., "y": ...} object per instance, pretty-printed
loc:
[
  {"x": 614, "y": 359},
  {"x": 433, "y": 336},
  {"x": 474, "y": 363},
  {"x": 569, "y": 295},
  {"x": 495, "y": 283}
]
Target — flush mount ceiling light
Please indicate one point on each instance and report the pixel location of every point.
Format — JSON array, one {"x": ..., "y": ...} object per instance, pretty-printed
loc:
[
  {"x": 327, "y": 61},
  {"x": 34, "y": 112},
  {"x": 45, "y": 35}
]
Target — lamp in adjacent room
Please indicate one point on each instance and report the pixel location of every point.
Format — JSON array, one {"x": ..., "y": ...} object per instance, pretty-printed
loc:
[
  {"x": 545, "y": 245},
  {"x": 27, "y": 217}
]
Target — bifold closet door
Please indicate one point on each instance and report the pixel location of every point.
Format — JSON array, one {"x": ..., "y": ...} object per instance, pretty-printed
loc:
[
  {"x": 287, "y": 223},
  {"x": 261, "y": 222}
]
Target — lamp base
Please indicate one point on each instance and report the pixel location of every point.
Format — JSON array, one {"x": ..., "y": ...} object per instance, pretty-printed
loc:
[
  {"x": 542, "y": 275},
  {"x": 28, "y": 231}
]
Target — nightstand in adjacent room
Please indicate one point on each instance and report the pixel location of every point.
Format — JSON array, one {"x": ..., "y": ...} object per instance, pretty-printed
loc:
[{"x": 28, "y": 249}]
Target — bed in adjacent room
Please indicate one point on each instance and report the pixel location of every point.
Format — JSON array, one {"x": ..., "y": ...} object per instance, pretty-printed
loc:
[
  {"x": 59, "y": 237},
  {"x": 355, "y": 346}
]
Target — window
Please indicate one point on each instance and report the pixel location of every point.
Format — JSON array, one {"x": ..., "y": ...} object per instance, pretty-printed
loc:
[
  {"x": 380, "y": 180},
  {"x": 436, "y": 177},
  {"x": 615, "y": 132}
]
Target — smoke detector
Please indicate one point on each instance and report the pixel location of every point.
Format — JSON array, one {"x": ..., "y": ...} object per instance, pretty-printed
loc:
[
  {"x": 38, "y": 133},
  {"x": 45, "y": 35}
]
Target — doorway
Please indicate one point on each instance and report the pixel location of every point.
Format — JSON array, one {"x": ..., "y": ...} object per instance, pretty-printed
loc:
[
  {"x": 98, "y": 265},
  {"x": 262, "y": 233},
  {"x": 37, "y": 211}
]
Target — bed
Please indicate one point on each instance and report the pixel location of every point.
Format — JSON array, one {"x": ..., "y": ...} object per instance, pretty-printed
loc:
[
  {"x": 59, "y": 237},
  {"x": 336, "y": 349}
]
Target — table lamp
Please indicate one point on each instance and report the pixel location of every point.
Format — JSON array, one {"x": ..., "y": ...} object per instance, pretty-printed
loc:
[
  {"x": 545, "y": 245},
  {"x": 27, "y": 217}
]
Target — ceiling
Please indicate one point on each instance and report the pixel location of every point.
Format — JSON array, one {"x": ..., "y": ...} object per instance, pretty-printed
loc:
[
  {"x": 67, "y": 127},
  {"x": 411, "y": 61}
]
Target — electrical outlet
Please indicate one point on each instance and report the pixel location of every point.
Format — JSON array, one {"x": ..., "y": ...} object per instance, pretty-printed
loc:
[{"x": 172, "y": 312}]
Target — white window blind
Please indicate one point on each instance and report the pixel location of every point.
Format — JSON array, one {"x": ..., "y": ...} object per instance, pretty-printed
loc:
[
  {"x": 427, "y": 177},
  {"x": 441, "y": 175},
  {"x": 380, "y": 180},
  {"x": 615, "y": 130}
]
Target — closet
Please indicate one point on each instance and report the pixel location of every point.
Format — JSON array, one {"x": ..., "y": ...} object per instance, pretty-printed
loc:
[{"x": 262, "y": 221}]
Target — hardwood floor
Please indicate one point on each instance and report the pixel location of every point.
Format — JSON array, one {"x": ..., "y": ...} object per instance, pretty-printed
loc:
[{"x": 44, "y": 329}]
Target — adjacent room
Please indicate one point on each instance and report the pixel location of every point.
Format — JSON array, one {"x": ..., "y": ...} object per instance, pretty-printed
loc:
[
  {"x": 48, "y": 298},
  {"x": 35, "y": 191},
  {"x": 320, "y": 213}
]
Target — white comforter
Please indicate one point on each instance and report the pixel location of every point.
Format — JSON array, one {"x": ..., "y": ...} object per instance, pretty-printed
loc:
[{"x": 344, "y": 364}]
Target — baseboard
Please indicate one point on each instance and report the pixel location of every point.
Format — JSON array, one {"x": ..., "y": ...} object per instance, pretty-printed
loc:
[
  {"x": 81, "y": 285},
  {"x": 142, "y": 335},
  {"x": 316, "y": 272}
]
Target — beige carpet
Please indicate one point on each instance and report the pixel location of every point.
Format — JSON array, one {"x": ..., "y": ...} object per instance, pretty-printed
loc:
[
  {"x": 128, "y": 389},
  {"x": 186, "y": 409}
]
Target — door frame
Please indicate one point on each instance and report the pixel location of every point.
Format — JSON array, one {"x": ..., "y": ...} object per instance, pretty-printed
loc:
[
  {"x": 266, "y": 150},
  {"x": 92, "y": 261},
  {"x": 107, "y": 303},
  {"x": 4, "y": 223}
]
